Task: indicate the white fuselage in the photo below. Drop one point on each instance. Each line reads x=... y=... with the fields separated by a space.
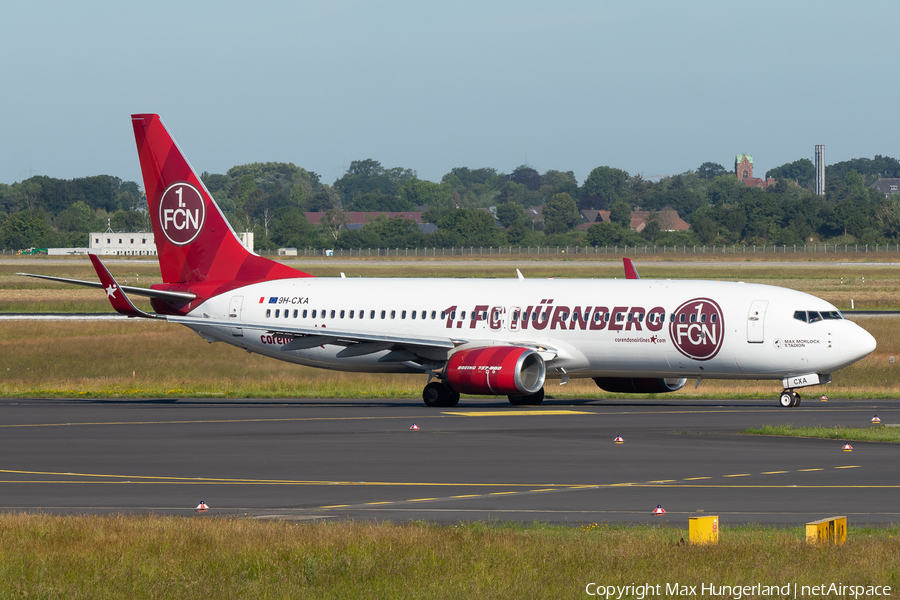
x=590 y=328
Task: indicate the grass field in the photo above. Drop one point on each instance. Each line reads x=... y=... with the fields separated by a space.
x=139 y=358
x=45 y=556
x=875 y=433
x=153 y=359
x=879 y=291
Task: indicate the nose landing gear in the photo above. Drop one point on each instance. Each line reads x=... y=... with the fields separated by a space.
x=789 y=398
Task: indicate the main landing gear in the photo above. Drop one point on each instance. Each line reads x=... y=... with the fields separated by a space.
x=437 y=394
x=789 y=398
x=527 y=400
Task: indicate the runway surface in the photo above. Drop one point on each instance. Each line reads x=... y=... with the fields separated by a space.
x=482 y=460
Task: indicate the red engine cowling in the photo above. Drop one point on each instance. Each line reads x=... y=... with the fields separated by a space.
x=496 y=370
x=639 y=385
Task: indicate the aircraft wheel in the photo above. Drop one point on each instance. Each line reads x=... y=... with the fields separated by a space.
x=435 y=394
x=527 y=400
x=452 y=398
x=516 y=400
x=535 y=398
x=786 y=399
x=796 y=399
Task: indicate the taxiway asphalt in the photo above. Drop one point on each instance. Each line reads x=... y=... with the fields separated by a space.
x=481 y=460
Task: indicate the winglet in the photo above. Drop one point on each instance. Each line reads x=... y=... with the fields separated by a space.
x=114 y=293
x=630 y=271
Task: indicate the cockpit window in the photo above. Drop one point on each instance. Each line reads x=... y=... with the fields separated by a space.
x=813 y=316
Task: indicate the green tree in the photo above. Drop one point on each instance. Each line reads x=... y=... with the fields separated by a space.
x=560 y=214
x=710 y=170
x=510 y=213
x=605 y=186
x=620 y=214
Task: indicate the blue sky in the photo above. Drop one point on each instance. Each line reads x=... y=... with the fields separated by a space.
x=649 y=87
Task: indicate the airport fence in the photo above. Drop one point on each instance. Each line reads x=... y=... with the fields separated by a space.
x=593 y=250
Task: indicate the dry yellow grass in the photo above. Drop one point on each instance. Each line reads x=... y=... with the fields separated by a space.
x=164 y=557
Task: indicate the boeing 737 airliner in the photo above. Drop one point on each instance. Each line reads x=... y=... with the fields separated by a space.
x=484 y=337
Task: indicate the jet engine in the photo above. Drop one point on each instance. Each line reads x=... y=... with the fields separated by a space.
x=496 y=370
x=639 y=385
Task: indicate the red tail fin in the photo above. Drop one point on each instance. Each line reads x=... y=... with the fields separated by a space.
x=195 y=243
x=630 y=271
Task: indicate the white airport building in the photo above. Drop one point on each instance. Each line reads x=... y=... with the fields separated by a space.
x=140 y=243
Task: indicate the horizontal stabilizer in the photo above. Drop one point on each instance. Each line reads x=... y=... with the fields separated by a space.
x=136 y=291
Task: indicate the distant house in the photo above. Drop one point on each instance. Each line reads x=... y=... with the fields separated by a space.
x=669 y=220
x=887 y=186
x=355 y=220
x=743 y=168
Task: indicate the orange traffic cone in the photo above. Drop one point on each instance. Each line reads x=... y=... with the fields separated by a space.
x=659 y=510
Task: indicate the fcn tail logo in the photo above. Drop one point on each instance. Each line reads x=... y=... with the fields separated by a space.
x=697 y=328
x=181 y=213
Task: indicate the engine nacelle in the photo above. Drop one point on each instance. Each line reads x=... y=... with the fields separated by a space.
x=500 y=370
x=639 y=385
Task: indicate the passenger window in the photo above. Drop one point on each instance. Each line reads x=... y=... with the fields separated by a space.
x=453 y=315
x=287 y=313
x=681 y=318
x=393 y=314
x=296 y=312
x=462 y=316
x=713 y=318
x=314 y=314
x=383 y=313
x=703 y=318
x=277 y=312
x=332 y=314
x=342 y=314
x=372 y=315
x=413 y=315
x=434 y=312
x=351 y=314
x=403 y=314
x=268 y=312
x=693 y=318
x=443 y=315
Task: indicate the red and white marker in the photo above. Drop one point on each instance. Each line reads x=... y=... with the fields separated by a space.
x=619 y=439
x=875 y=419
x=202 y=507
x=414 y=427
x=847 y=447
x=659 y=510
x=824 y=398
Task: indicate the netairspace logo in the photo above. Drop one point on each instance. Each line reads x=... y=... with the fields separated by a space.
x=758 y=590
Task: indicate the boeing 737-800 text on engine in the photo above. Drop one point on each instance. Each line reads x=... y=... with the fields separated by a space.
x=495 y=337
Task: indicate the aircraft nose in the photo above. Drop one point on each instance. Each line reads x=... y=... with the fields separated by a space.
x=858 y=345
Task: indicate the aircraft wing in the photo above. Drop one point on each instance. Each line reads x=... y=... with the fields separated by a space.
x=308 y=337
